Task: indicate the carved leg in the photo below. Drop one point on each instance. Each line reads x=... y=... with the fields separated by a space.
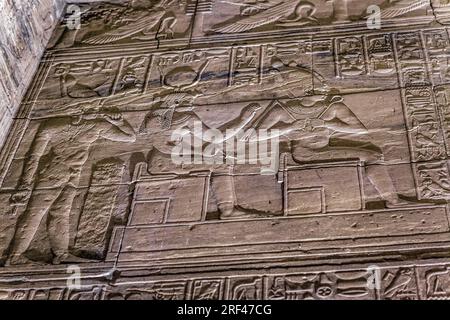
x=376 y=172
x=223 y=190
x=28 y=224
x=379 y=176
x=58 y=224
x=226 y=199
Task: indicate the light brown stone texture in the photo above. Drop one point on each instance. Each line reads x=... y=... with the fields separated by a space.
x=356 y=207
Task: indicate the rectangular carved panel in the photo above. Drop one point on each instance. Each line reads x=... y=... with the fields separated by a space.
x=214 y=149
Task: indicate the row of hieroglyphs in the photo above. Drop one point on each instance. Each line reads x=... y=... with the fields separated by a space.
x=342 y=61
x=388 y=283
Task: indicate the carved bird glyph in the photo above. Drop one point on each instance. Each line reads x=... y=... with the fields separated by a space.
x=271 y=12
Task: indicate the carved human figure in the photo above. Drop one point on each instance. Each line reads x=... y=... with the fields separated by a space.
x=174 y=111
x=160 y=123
x=51 y=174
x=324 y=128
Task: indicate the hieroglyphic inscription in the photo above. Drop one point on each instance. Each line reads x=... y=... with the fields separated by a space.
x=360 y=169
x=422 y=119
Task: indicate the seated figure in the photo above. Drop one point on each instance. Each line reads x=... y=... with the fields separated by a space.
x=324 y=128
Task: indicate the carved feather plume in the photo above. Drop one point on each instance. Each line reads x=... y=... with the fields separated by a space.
x=403 y=7
x=270 y=15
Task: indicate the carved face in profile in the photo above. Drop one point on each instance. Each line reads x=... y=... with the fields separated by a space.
x=177 y=100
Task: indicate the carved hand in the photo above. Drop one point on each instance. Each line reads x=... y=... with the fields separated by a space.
x=113 y=118
x=250 y=111
x=20 y=196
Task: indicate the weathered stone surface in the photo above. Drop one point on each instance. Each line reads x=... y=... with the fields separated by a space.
x=26 y=29
x=193 y=149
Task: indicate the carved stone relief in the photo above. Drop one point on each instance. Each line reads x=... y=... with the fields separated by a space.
x=133 y=21
x=139 y=159
x=26 y=29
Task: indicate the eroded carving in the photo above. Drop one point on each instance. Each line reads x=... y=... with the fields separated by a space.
x=360 y=164
x=136 y=20
x=266 y=16
x=51 y=175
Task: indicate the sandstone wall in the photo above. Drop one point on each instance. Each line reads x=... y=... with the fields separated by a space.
x=354 y=204
x=26 y=29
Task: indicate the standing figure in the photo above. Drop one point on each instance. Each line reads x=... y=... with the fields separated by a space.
x=51 y=174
